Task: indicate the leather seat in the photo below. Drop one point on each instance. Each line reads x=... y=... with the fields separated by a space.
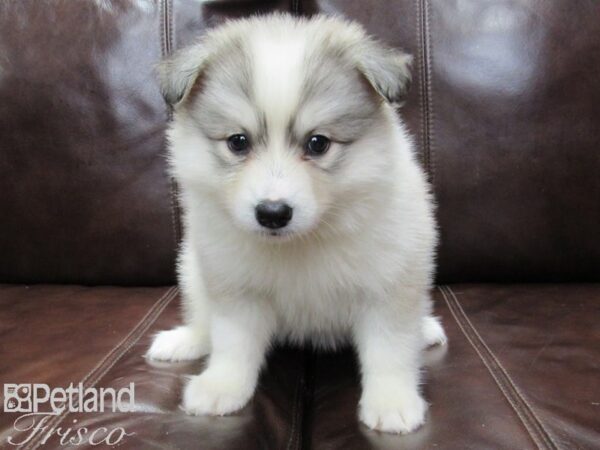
x=504 y=107
x=520 y=371
x=97 y=336
x=514 y=375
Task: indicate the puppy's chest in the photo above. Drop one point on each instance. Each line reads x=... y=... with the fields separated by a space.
x=312 y=308
x=319 y=274
x=314 y=288
x=319 y=293
x=316 y=295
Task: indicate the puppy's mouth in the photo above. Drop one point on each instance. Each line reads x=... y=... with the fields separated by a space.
x=277 y=235
x=281 y=235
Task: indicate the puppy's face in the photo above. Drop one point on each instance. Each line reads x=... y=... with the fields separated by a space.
x=282 y=120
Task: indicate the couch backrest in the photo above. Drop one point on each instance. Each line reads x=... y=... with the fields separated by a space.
x=505 y=108
x=84 y=196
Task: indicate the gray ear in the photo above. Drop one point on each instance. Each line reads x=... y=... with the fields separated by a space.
x=178 y=73
x=386 y=69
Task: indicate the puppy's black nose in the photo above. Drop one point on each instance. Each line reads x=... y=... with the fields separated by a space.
x=273 y=214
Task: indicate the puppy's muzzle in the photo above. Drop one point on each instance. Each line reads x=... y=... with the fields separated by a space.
x=273 y=214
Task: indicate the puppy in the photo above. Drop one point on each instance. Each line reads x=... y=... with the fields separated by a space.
x=306 y=215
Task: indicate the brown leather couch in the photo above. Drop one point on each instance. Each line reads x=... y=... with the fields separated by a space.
x=505 y=108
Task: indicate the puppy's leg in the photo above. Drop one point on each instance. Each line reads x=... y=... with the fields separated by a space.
x=241 y=332
x=182 y=343
x=189 y=341
x=389 y=343
x=433 y=332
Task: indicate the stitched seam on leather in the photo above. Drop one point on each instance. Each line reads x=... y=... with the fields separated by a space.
x=421 y=76
x=294 y=439
x=424 y=53
x=139 y=330
x=504 y=371
x=429 y=91
x=490 y=369
x=112 y=357
x=166 y=48
x=542 y=429
x=530 y=421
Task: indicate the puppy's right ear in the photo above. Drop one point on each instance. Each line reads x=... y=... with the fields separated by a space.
x=387 y=69
x=178 y=73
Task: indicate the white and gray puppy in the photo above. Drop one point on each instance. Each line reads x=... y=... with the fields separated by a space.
x=306 y=215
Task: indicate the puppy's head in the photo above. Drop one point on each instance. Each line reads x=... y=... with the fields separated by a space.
x=284 y=121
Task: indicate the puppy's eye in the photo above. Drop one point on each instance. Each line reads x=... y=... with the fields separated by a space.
x=317 y=145
x=238 y=143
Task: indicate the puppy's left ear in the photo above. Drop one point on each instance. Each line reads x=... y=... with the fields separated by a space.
x=178 y=73
x=386 y=69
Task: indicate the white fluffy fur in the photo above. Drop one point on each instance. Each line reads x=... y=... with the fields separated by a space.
x=355 y=264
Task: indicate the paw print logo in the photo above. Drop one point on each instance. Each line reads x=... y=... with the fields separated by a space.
x=17 y=398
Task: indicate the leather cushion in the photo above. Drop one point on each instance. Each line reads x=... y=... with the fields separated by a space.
x=69 y=334
x=520 y=371
x=546 y=338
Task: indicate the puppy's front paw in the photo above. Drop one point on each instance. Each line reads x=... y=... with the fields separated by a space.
x=433 y=331
x=392 y=409
x=178 y=344
x=216 y=393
